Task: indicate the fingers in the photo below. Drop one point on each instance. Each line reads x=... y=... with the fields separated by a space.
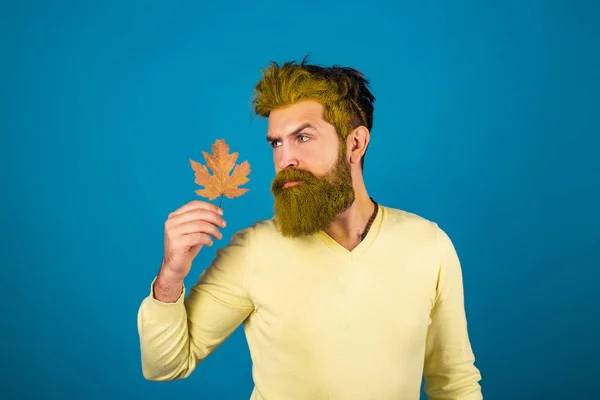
x=194 y=239
x=195 y=214
x=195 y=205
x=196 y=219
x=197 y=226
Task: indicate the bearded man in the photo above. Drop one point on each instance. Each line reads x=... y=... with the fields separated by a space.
x=340 y=297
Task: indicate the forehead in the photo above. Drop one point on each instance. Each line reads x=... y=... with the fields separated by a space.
x=302 y=111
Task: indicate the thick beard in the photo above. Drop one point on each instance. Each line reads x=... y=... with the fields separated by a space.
x=311 y=206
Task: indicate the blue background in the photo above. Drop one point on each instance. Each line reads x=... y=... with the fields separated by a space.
x=486 y=121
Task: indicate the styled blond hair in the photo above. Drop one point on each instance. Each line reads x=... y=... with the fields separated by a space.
x=343 y=91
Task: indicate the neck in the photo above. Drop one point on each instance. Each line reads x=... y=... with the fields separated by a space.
x=350 y=224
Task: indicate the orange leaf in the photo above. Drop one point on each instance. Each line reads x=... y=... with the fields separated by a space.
x=221 y=182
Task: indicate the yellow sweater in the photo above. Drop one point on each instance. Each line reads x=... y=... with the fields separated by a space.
x=323 y=322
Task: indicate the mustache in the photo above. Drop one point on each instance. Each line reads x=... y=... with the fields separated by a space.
x=291 y=175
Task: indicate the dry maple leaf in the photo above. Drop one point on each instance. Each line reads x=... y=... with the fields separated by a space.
x=221 y=183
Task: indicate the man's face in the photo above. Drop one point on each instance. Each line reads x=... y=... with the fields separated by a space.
x=313 y=183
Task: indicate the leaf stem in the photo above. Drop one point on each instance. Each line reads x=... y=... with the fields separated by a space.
x=221 y=200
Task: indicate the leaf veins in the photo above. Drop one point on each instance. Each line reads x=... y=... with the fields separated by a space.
x=221 y=182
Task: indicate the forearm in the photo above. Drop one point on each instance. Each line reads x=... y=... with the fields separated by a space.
x=452 y=378
x=175 y=337
x=164 y=337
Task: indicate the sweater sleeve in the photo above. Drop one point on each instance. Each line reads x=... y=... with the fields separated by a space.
x=449 y=371
x=176 y=337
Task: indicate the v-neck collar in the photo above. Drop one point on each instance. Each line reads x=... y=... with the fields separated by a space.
x=363 y=246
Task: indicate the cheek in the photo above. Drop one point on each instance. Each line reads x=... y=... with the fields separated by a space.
x=320 y=161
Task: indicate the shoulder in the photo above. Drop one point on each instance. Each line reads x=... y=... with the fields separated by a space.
x=398 y=219
x=402 y=223
x=257 y=232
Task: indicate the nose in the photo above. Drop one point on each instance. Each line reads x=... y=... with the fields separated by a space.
x=285 y=158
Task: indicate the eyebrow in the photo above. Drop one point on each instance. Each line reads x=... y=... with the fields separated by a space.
x=296 y=131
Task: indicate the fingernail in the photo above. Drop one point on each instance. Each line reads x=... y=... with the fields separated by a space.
x=224 y=223
x=221 y=211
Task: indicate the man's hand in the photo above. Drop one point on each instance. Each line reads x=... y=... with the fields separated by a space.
x=187 y=229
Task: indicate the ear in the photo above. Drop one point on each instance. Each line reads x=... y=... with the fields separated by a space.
x=358 y=140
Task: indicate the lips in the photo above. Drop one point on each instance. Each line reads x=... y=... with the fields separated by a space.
x=291 y=183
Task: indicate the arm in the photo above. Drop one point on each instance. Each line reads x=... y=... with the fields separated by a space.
x=450 y=373
x=176 y=336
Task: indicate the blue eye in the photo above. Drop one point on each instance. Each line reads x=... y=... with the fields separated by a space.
x=273 y=143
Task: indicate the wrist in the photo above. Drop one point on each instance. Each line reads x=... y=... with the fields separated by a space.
x=167 y=277
x=167 y=287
